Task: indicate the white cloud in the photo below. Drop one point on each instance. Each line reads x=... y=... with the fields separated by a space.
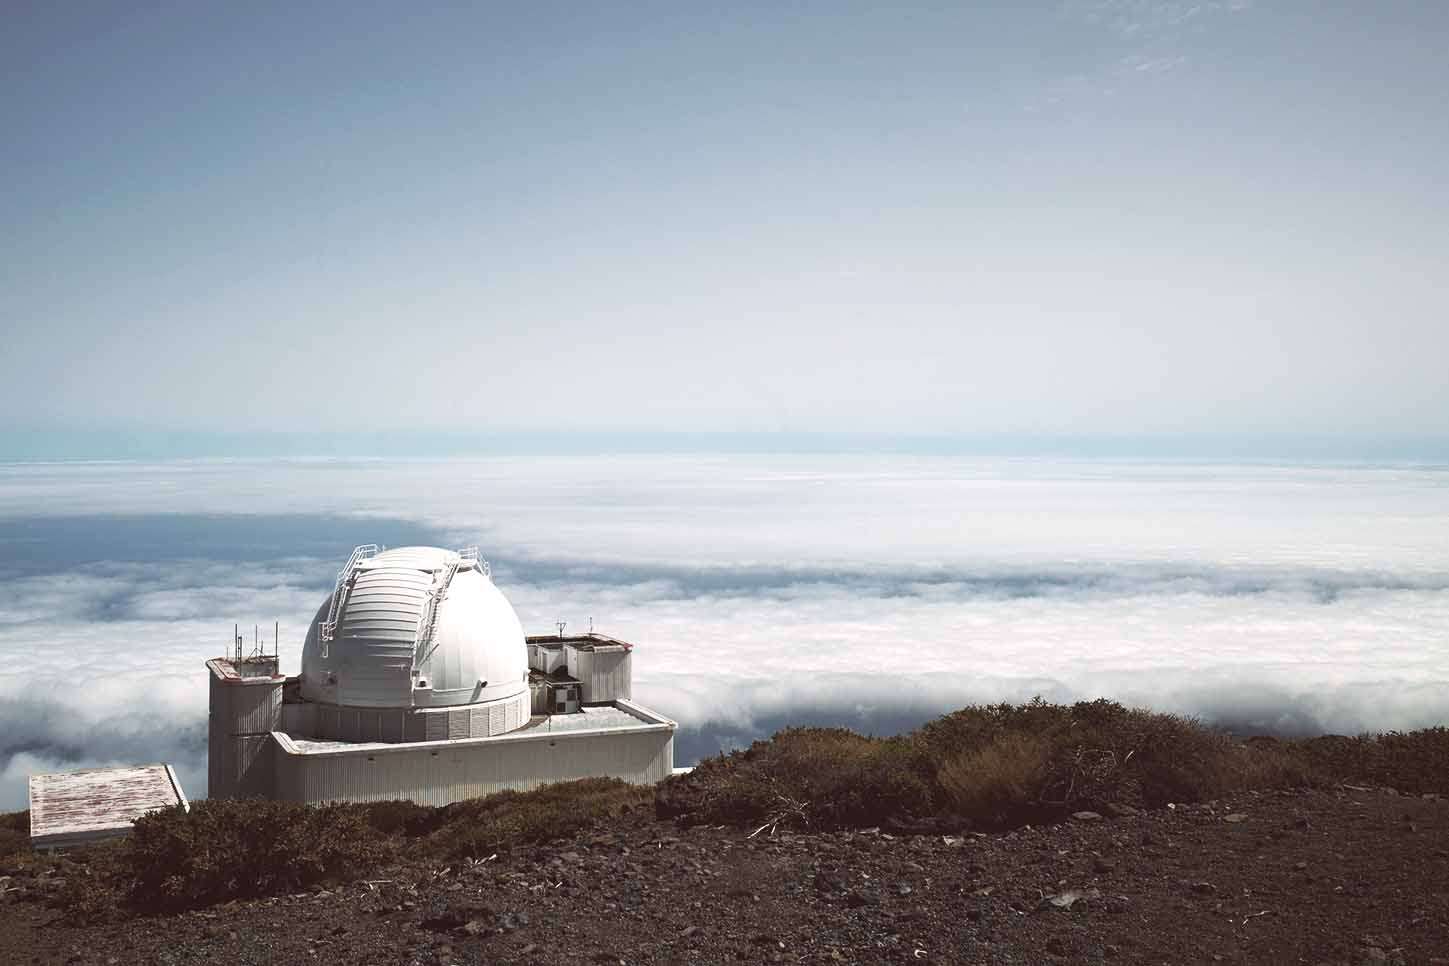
x=862 y=591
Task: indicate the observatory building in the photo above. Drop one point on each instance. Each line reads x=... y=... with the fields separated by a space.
x=417 y=682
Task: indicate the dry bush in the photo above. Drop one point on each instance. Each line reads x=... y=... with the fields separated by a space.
x=1413 y=762
x=820 y=777
x=1097 y=752
x=225 y=849
x=402 y=817
x=1261 y=764
x=996 y=784
x=14 y=833
x=479 y=827
x=997 y=765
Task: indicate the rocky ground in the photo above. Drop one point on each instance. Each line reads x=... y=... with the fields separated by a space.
x=1347 y=875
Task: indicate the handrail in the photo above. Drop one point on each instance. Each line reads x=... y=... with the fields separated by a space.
x=344 y=582
x=427 y=641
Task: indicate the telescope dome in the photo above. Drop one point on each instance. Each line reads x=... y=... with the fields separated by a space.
x=414 y=627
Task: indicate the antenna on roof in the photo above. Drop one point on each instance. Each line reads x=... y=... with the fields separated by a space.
x=591 y=625
x=560 y=625
x=236 y=641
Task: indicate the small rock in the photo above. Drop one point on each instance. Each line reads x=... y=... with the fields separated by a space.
x=1064 y=900
x=1086 y=816
x=1300 y=866
x=1204 y=888
x=688 y=931
x=1235 y=818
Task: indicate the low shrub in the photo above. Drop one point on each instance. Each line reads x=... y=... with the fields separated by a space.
x=1413 y=762
x=401 y=817
x=995 y=765
x=479 y=827
x=821 y=777
x=996 y=783
x=225 y=849
x=14 y=833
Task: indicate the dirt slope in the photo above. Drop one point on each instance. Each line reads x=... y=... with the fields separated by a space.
x=1342 y=876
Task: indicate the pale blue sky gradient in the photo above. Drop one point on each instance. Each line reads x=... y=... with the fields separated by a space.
x=1098 y=219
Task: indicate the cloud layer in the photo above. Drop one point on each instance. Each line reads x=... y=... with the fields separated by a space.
x=760 y=592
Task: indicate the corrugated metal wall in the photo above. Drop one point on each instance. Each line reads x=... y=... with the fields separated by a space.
x=610 y=676
x=449 y=773
x=605 y=672
x=242 y=715
x=331 y=723
x=252 y=766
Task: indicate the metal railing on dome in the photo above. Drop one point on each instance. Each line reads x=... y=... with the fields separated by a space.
x=344 y=583
x=428 y=626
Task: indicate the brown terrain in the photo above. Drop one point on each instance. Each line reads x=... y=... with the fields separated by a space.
x=1338 y=874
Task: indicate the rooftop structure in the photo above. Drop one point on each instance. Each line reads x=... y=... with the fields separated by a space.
x=70 y=807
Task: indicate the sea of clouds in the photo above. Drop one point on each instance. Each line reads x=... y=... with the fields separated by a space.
x=873 y=592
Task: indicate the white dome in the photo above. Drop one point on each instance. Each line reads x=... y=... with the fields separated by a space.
x=376 y=658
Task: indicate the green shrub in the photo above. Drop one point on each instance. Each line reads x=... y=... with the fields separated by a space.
x=225 y=849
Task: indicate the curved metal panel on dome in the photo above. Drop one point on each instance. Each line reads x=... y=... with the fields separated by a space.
x=376 y=634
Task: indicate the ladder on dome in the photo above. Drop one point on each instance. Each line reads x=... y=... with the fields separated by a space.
x=427 y=641
x=345 y=576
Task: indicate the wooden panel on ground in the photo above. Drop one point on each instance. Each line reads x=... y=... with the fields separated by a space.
x=69 y=807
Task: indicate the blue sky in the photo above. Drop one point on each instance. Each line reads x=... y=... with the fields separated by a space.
x=1097 y=219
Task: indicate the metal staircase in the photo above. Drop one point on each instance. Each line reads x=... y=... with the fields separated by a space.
x=345 y=577
x=427 y=641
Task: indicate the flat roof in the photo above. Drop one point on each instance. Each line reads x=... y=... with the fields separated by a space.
x=604 y=717
x=68 y=807
x=596 y=716
x=583 y=642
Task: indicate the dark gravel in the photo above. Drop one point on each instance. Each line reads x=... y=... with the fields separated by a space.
x=1334 y=877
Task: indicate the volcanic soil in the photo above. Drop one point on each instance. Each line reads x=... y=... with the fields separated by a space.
x=1347 y=875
